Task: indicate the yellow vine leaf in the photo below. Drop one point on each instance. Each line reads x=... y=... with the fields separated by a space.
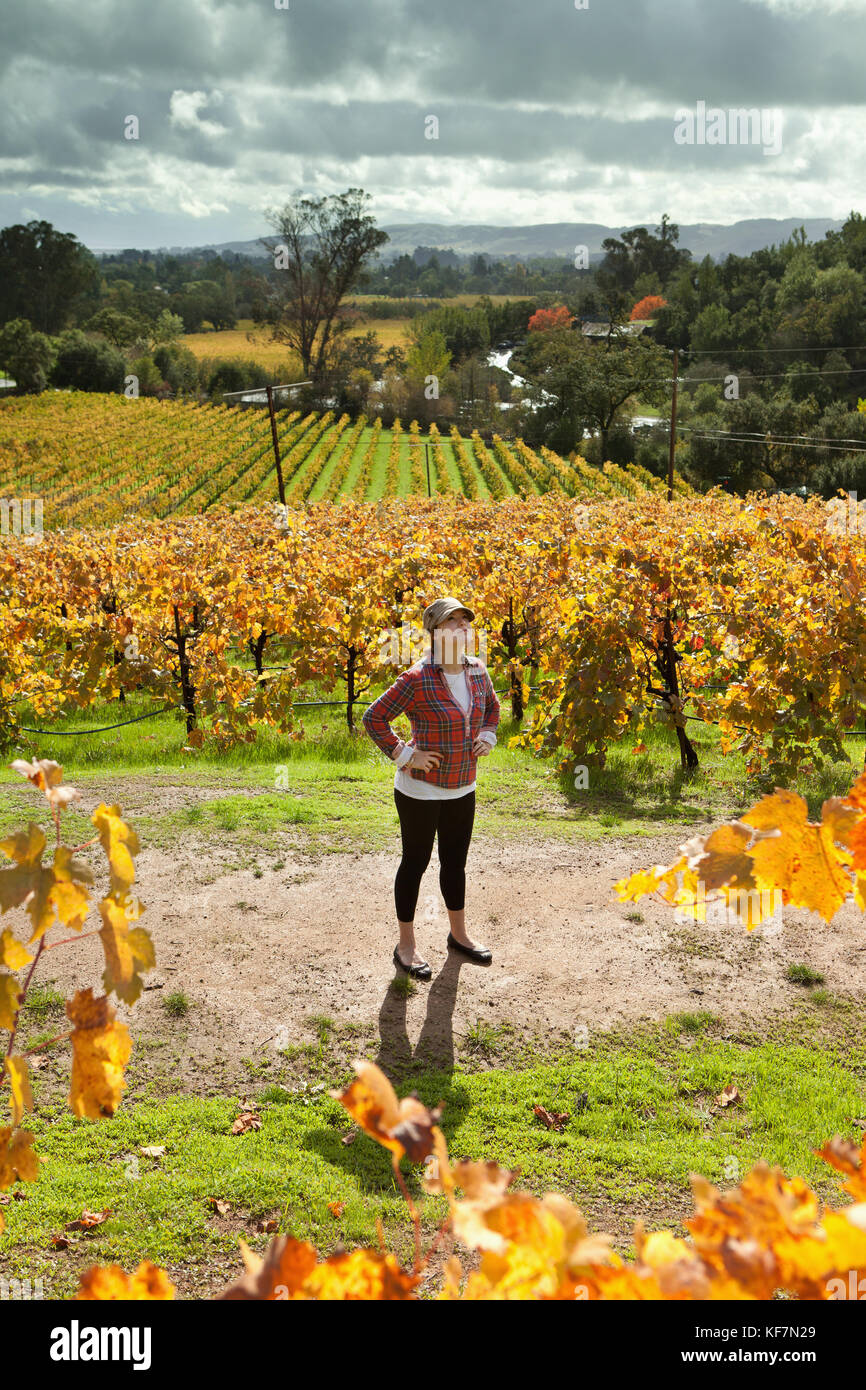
x=28 y=882
x=17 y=1159
x=803 y=860
x=773 y=851
x=660 y=879
x=120 y=843
x=21 y=1098
x=100 y=1051
x=45 y=891
x=127 y=951
x=105 y=1282
x=12 y=954
x=9 y=995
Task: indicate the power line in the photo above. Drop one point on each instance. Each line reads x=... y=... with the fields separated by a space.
x=764 y=376
x=731 y=347
x=758 y=434
x=718 y=436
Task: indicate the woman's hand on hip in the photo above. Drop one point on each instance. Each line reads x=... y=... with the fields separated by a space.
x=424 y=759
x=481 y=747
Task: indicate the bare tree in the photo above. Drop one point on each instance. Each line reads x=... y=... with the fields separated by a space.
x=319 y=256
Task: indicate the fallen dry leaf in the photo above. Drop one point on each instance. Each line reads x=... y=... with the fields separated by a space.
x=552 y=1118
x=269 y=1225
x=219 y=1204
x=60 y=1242
x=88 y=1219
x=349 y=1138
x=729 y=1096
x=336 y=1208
x=153 y=1150
x=248 y=1120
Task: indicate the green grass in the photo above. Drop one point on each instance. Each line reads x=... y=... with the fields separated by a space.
x=332 y=787
x=648 y=1121
x=804 y=975
x=176 y=1004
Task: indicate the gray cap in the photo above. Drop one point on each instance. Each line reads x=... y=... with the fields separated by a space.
x=443 y=608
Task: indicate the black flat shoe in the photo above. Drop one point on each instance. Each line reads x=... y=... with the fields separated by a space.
x=483 y=957
x=419 y=972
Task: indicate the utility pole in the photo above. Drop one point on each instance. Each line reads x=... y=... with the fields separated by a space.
x=673 y=428
x=280 y=485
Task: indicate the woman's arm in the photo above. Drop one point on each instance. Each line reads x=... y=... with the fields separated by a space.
x=491 y=710
x=377 y=716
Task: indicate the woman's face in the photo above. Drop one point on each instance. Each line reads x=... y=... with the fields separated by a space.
x=453 y=634
x=458 y=622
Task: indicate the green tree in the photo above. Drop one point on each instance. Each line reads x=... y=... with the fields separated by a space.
x=88 y=364
x=168 y=327
x=42 y=274
x=466 y=331
x=428 y=357
x=320 y=255
x=120 y=329
x=587 y=384
x=27 y=356
x=639 y=253
x=178 y=366
x=148 y=374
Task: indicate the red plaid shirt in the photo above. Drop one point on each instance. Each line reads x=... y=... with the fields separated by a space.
x=439 y=725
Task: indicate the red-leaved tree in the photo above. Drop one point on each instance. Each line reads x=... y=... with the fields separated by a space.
x=646 y=307
x=543 y=319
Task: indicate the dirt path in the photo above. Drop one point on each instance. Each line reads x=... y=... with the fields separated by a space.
x=258 y=955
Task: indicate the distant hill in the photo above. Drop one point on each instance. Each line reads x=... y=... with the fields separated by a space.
x=714 y=239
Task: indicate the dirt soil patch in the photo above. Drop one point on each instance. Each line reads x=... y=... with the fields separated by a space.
x=258 y=950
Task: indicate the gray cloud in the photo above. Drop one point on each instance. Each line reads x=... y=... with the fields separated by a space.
x=546 y=113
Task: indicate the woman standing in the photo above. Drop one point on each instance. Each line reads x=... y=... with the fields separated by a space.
x=452 y=707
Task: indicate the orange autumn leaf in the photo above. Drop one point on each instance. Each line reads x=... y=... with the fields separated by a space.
x=87 y=1219
x=100 y=1051
x=802 y=860
x=336 y=1208
x=147 y=1283
x=291 y=1270
x=404 y=1126
x=846 y=1158
x=552 y=1119
x=772 y=854
x=246 y=1121
x=47 y=776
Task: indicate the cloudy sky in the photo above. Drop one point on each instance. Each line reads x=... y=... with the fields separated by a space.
x=546 y=112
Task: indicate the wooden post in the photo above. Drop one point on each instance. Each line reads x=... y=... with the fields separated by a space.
x=673 y=428
x=277 y=459
x=427 y=456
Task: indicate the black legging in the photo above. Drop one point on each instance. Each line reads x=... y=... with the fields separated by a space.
x=419 y=823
